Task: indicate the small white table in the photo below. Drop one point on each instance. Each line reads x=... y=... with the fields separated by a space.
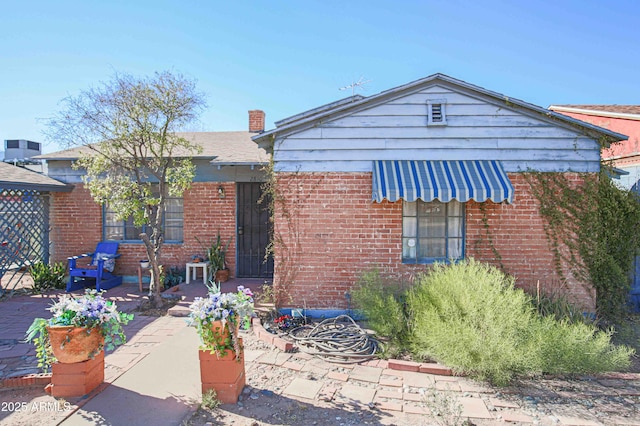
x=193 y=266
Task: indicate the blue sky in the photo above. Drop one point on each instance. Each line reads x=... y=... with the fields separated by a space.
x=287 y=57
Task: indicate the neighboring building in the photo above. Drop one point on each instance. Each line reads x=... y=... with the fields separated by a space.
x=623 y=119
x=20 y=152
x=624 y=155
x=428 y=171
x=24 y=220
x=223 y=197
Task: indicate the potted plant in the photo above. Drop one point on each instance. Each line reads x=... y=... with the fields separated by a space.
x=79 y=328
x=216 y=255
x=218 y=318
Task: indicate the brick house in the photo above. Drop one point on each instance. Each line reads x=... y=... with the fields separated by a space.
x=223 y=197
x=428 y=171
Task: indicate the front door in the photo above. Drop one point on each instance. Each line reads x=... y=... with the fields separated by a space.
x=253 y=232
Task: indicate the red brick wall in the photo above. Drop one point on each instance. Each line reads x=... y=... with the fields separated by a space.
x=330 y=231
x=76 y=226
x=517 y=233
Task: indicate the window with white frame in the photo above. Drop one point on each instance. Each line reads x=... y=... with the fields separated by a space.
x=436 y=112
x=432 y=231
x=125 y=230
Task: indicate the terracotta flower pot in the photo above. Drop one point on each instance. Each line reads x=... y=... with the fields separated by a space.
x=225 y=375
x=75 y=344
x=222 y=337
x=222 y=275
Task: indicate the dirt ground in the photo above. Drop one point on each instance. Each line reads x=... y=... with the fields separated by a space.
x=608 y=400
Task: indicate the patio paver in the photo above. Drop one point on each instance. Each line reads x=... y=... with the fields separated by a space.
x=356 y=394
x=303 y=388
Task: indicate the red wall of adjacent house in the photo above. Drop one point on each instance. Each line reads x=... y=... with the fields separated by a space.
x=328 y=231
x=76 y=227
x=626 y=152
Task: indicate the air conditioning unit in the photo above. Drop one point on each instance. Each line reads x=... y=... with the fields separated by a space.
x=19 y=150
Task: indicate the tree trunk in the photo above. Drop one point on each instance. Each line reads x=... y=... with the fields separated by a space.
x=155 y=286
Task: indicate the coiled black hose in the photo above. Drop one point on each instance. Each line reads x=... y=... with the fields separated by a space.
x=337 y=339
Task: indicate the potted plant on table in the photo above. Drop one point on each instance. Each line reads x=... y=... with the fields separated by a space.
x=79 y=328
x=216 y=254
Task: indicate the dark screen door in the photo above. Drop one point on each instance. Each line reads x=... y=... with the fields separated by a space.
x=253 y=232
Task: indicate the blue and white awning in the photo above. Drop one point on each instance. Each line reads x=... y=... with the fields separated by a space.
x=477 y=180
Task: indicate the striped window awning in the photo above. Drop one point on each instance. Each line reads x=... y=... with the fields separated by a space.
x=477 y=180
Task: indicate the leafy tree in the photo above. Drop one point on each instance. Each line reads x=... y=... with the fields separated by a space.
x=126 y=129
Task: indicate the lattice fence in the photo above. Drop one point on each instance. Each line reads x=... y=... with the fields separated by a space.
x=24 y=235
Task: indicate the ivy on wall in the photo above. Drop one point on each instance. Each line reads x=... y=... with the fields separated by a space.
x=288 y=195
x=593 y=227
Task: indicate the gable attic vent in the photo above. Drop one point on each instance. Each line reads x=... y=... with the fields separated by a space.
x=436 y=112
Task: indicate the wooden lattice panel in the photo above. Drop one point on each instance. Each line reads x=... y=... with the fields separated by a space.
x=23 y=234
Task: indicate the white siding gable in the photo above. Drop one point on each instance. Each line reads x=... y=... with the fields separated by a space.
x=475 y=127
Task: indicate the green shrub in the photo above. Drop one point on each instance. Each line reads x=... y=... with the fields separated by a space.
x=559 y=307
x=577 y=348
x=45 y=277
x=382 y=303
x=470 y=317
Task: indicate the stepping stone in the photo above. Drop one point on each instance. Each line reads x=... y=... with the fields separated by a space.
x=303 y=388
x=577 y=421
x=474 y=408
x=252 y=355
x=356 y=394
x=179 y=310
x=510 y=417
x=365 y=374
x=417 y=380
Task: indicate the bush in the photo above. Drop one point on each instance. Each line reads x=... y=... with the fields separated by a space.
x=173 y=277
x=560 y=308
x=45 y=277
x=382 y=303
x=577 y=348
x=470 y=317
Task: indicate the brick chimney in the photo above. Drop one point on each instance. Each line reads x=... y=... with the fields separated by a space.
x=256 y=121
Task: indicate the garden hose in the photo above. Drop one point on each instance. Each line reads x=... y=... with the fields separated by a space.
x=337 y=339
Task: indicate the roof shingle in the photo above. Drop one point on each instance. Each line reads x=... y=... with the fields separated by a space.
x=220 y=147
x=620 y=109
x=20 y=178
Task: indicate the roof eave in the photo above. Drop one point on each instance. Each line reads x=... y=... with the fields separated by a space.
x=238 y=163
x=398 y=91
x=37 y=187
x=610 y=114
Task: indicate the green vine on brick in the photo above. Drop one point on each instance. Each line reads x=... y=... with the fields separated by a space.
x=593 y=230
x=487 y=230
x=286 y=202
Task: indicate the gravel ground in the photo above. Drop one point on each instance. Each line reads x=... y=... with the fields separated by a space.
x=607 y=400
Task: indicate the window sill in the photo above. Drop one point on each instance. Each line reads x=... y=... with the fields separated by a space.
x=429 y=261
x=140 y=242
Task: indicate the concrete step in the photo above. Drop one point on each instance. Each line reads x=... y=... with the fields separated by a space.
x=179 y=310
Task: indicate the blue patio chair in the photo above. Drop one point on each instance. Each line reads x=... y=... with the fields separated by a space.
x=100 y=269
